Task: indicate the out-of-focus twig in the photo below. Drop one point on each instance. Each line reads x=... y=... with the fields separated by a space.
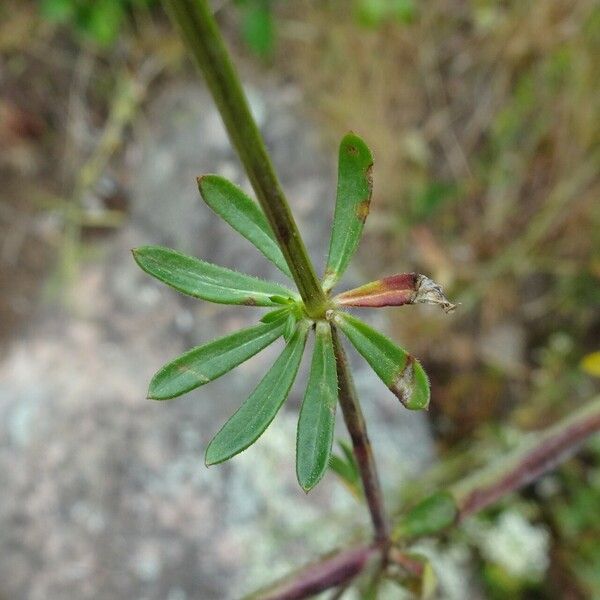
x=332 y=570
x=539 y=452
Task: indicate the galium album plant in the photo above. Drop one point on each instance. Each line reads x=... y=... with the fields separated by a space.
x=311 y=306
x=288 y=316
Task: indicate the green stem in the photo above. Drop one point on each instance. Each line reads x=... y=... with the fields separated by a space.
x=201 y=34
x=357 y=428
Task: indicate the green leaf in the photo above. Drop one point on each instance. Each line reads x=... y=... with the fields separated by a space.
x=290 y=327
x=104 y=19
x=257 y=412
x=258 y=28
x=347 y=469
x=205 y=363
x=273 y=315
x=434 y=513
x=399 y=370
x=57 y=10
x=351 y=206
x=317 y=415
x=282 y=300
x=343 y=470
x=244 y=215
x=349 y=454
x=200 y=279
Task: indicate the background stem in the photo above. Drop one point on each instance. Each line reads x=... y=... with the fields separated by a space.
x=538 y=453
x=201 y=33
x=357 y=428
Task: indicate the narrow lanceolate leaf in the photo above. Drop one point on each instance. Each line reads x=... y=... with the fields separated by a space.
x=274 y=315
x=257 y=412
x=396 y=290
x=317 y=415
x=290 y=327
x=400 y=371
x=351 y=206
x=201 y=279
x=205 y=363
x=244 y=215
x=347 y=470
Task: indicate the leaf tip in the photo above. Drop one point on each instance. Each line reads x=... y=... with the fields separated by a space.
x=411 y=385
x=429 y=292
x=210 y=460
x=202 y=180
x=309 y=483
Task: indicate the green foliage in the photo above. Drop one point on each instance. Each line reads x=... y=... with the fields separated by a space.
x=374 y=13
x=287 y=318
x=200 y=279
x=317 y=415
x=574 y=516
x=258 y=26
x=244 y=215
x=205 y=363
x=257 y=412
x=346 y=468
x=401 y=372
x=96 y=20
x=352 y=204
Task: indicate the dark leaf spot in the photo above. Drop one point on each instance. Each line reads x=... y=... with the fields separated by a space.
x=362 y=210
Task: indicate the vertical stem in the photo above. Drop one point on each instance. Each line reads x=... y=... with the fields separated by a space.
x=201 y=33
x=357 y=428
x=203 y=38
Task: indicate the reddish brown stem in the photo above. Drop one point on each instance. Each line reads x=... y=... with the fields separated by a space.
x=539 y=453
x=357 y=428
x=325 y=574
x=407 y=562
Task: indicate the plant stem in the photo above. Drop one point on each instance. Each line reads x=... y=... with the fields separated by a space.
x=540 y=452
x=203 y=38
x=357 y=428
x=201 y=33
x=328 y=572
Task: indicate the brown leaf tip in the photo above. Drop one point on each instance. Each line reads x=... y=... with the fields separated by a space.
x=369 y=176
x=362 y=210
x=402 y=385
x=429 y=292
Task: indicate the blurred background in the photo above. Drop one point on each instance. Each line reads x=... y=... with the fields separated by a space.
x=484 y=119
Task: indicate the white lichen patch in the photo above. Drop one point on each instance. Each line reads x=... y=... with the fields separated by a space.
x=513 y=543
